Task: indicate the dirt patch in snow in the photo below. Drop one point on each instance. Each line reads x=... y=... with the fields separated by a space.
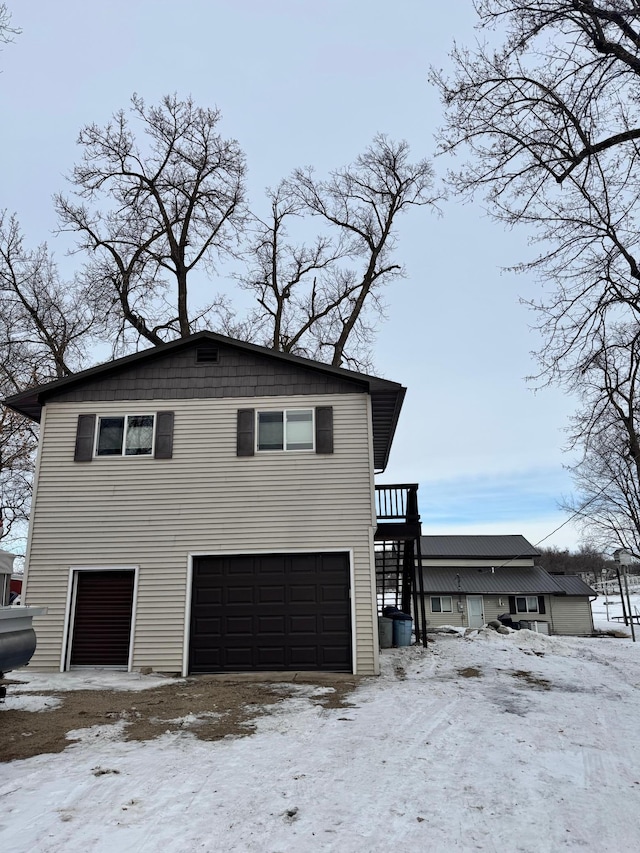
x=209 y=708
x=470 y=672
x=531 y=679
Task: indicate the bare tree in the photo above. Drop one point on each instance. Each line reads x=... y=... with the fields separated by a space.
x=151 y=209
x=289 y=281
x=360 y=204
x=7 y=32
x=607 y=432
x=586 y=561
x=46 y=327
x=551 y=119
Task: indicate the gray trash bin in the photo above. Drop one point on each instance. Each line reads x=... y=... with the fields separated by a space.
x=385 y=632
x=402 y=625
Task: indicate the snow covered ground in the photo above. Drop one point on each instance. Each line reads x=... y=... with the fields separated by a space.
x=521 y=742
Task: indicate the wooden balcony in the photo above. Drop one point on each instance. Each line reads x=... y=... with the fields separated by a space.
x=397 y=513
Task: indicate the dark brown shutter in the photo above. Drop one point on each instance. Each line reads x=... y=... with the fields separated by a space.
x=245 y=434
x=541 y=604
x=324 y=429
x=84 y=438
x=512 y=604
x=164 y=435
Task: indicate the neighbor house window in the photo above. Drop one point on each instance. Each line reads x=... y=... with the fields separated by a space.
x=290 y=429
x=129 y=435
x=526 y=604
x=441 y=604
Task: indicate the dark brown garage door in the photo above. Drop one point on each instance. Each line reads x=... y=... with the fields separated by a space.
x=102 y=619
x=271 y=612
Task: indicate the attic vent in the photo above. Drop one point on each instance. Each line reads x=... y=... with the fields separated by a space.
x=207 y=355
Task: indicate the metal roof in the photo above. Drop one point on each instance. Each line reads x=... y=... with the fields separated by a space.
x=527 y=580
x=386 y=396
x=477 y=547
x=573 y=585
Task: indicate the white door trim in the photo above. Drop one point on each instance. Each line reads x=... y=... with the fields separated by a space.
x=476 y=598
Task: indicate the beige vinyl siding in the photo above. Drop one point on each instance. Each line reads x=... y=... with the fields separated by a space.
x=572 y=615
x=492 y=609
x=460 y=619
x=153 y=513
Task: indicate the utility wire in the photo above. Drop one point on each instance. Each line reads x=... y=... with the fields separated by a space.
x=578 y=512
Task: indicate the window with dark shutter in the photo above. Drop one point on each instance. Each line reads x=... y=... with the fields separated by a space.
x=324 y=429
x=85 y=433
x=164 y=435
x=512 y=604
x=245 y=432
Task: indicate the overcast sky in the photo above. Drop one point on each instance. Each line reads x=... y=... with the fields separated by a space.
x=302 y=83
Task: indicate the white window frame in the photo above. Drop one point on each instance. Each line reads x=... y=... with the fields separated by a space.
x=527 y=599
x=442 y=598
x=123 y=454
x=285 y=413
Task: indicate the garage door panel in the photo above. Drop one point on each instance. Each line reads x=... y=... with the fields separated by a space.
x=272 y=594
x=271 y=602
x=239 y=626
x=271 y=658
x=334 y=624
x=304 y=657
x=304 y=624
x=102 y=618
x=240 y=595
x=303 y=594
x=271 y=625
x=210 y=596
x=239 y=657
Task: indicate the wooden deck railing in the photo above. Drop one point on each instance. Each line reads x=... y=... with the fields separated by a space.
x=397 y=503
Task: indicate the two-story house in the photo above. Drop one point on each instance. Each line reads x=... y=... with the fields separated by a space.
x=208 y=505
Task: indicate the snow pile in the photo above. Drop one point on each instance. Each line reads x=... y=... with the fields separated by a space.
x=487 y=742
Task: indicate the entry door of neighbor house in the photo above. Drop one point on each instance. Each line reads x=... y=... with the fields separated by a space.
x=102 y=608
x=475 y=611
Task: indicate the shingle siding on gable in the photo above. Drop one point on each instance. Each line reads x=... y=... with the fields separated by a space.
x=237 y=374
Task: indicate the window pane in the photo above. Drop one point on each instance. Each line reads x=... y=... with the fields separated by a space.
x=532 y=603
x=270 y=431
x=110 y=432
x=435 y=605
x=521 y=605
x=139 y=435
x=300 y=430
x=446 y=604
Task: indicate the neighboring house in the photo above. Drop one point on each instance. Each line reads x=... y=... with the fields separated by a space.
x=208 y=505
x=471 y=580
x=6 y=582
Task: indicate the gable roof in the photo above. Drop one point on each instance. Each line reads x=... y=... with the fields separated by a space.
x=477 y=547
x=527 y=580
x=386 y=396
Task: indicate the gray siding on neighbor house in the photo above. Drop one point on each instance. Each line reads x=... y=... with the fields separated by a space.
x=178 y=376
x=152 y=513
x=493 y=605
x=566 y=615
